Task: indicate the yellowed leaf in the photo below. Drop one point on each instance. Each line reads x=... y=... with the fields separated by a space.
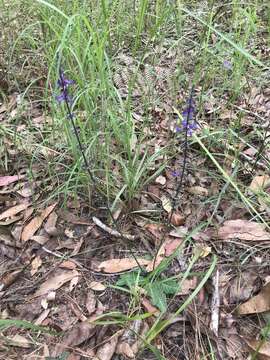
x=198 y=190
x=118 y=265
x=256 y=304
x=259 y=183
x=166 y=204
x=30 y=229
x=13 y=211
x=55 y=282
x=243 y=230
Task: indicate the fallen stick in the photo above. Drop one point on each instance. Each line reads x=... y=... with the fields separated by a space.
x=111 y=231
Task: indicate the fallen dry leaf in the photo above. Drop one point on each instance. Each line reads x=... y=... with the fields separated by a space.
x=161 y=180
x=149 y=307
x=77 y=335
x=166 y=203
x=187 y=286
x=243 y=230
x=171 y=245
x=106 y=351
x=97 y=286
x=9 y=278
x=35 y=265
x=256 y=304
x=118 y=265
x=50 y=225
x=6 y=180
x=198 y=190
x=90 y=302
x=13 y=211
x=259 y=183
x=19 y=341
x=177 y=219
x=68 y=264
x=261 y=348
x=55 y=282
x=30 y=229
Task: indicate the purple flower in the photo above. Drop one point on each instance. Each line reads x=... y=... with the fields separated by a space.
x=227 y=64
x=188 y=124
x=63 y=83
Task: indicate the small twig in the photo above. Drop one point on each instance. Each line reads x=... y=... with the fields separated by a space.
x=111 y=231
x=215 y=304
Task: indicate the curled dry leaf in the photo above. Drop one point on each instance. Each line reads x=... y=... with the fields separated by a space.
x=256 y=304
x=55 y=282
x=9 y=278
x=261 y=348
x=243 y=230
x=118 y=265
x=259 y=183
x=13 y=211
x=30 y=229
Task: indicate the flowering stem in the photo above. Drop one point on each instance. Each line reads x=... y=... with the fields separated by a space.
x=180 y=184
x=65 y=98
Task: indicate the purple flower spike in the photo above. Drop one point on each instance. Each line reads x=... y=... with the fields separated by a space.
x=63 y=84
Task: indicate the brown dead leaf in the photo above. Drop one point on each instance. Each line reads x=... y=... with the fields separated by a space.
x=19 y=341
x=187 y=286
x=35 y=264
x=13 y=211
x=256 y=304
x=68 y=264
x=6 y=180
x=198 y=190
x=77 y=335
x=149 y=307
x=259 y=183
x=171 y=245
x=243 y=230
x=261 y=348
x=9 y=278
x=97 y=286
x=30 y=229
x=50 y=225
x=106 y=351
x=118 y=265
x=55 y=282
x=90 y=302
x=177 y=219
